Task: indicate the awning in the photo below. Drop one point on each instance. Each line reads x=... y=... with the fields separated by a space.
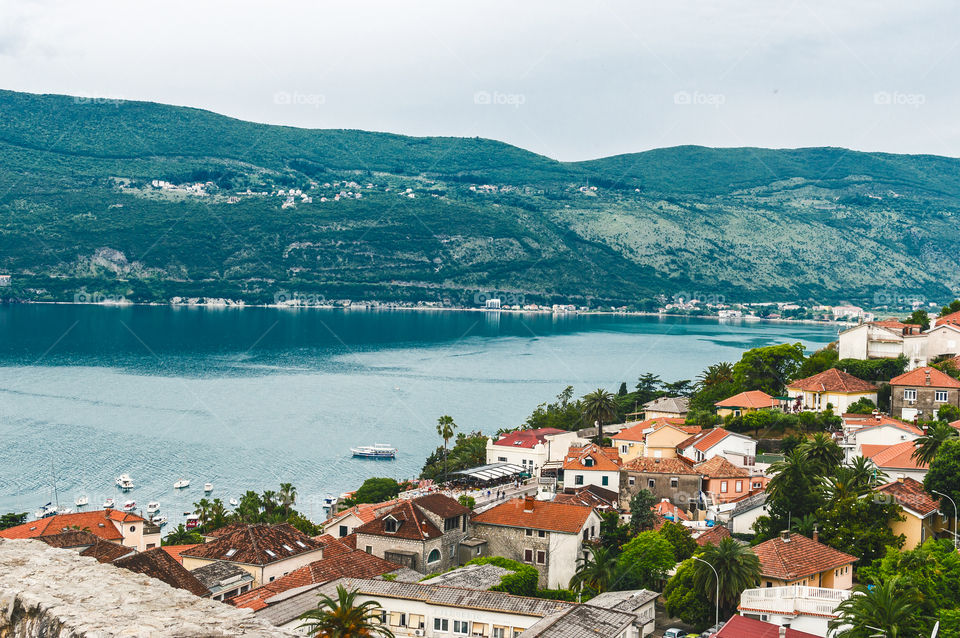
x=492 y=471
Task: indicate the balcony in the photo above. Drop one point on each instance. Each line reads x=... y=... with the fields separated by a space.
x=793 y=600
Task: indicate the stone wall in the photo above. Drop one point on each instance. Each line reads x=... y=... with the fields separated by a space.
x=56 y=593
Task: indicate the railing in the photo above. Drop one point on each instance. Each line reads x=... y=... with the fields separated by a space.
x=794 y=599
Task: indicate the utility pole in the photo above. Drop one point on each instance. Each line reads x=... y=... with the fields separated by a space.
x=954 y=516
x=716 y=620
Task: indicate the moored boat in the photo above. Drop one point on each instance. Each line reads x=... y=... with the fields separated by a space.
x=108 y=504
x=208 y=487
x=192 y=521
x=234 y=502
x=82 y=500
x=129 y=506
x=124 y=482
x=160 y=520
x=153 y=507
x=182 y=483
x=375 y=451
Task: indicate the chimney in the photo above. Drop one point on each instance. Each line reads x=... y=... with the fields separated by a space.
x=528 y=504
x=900 y=478
x=926 y=377
x=785 y=536
x=782 y=632
x=816 y=534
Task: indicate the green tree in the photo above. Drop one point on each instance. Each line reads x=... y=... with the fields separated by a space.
x=182 y=536
x=716 y=374
x=599 y=406
x=862 y=405
x=948 y=413
x=648 y=387
x=930 y=443
x=642 y=516
x=622 y=392
x=521 y=581
x=768 y=368
x=738 y=568
x=343 y=617
x=919 y=318
x=12 y=519
x=613 y=534
x=679 y=537
x=445 y=428
x=202 y=510
x=375 y=490
x=597 y=571
x=860 y=526
x=949 y=309
x=644 y=561
x=288 y=496
x=469 y=450
x=820 y=361
x=944 y=473
x=804 y=526
x=249 y=508
x=876 y=609
x=823 y=453
x=467 y=501
x=793 y=492
x=684 y=600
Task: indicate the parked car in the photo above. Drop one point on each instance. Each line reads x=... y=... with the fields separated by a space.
x=675 y=633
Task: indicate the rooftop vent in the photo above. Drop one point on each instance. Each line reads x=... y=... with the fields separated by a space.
x=270 y=554
x=785 y=536
x=230 y=552
x=288 y=548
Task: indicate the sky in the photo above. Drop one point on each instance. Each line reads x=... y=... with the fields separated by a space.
x=571 y=80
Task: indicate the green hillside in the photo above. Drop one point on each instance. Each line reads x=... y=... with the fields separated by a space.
x=444 y=218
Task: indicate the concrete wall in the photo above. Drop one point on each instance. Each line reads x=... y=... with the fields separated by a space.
x=56 y=593
x=380 y=545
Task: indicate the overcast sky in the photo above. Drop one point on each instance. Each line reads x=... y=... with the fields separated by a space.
x=569 y=80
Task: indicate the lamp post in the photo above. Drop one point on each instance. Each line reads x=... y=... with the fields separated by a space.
x=954 y=515
x=716 y=620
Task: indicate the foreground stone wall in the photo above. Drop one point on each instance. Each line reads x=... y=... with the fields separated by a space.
x=56 y=593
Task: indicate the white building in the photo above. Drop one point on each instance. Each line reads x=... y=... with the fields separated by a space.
x=591 y=465
x=808 y=609
x=834 y=388
x=891 y=338
x=739 y=449
x=530 y=449
x=874 y=430
x=746 y=512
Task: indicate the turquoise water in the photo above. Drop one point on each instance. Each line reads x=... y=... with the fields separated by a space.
x=249 y=398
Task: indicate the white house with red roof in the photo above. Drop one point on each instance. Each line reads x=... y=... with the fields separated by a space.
x=749 y=401
x=591 y=465
x=342 y=524
x=831 y=387
x=125 y=528
x=739 y=449
x=876 y=430
x=896 y=461
x=530 y=449
x=891 y=338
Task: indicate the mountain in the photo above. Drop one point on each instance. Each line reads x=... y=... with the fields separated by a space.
x=151 y=201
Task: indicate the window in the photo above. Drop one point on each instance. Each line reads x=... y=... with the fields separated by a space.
x=528 y=555
x=623 y=449
x=502 y=459
x=368 y=549
x=588 y=462
x=499 y=631
x=415 y=621
x=757 y=485
x=605 y=480
x=398 y=619
x=151 y=545
x=451 y=523
x=479 y=629
x=453 y=551
x=651 y=483
x=528 y=532
x=343 y=531
x=910 y=395
x=674 y=482
x=631 y=480
x=434 y=556
x=541 y=533
x=723 y=487
x=230 y=552
x=941 y=396
x=461 y=627
x=578 y=479
x=389 y=524
x=441 y=624
x=133 y=528
x=516 y=632
x=541 y=557
x=272 y=578
x=739 y=486
x=270 y=553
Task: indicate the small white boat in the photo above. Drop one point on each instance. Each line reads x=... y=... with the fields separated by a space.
x=129 y=506
x=153 y=507
x=124 y=482
x=82 y=501
x=375 y=451
x=46 y=510
x=208 y=487
x=159 y=521
x=182 y=483
x=234 y=502
x=192 y=521
x=108 y=504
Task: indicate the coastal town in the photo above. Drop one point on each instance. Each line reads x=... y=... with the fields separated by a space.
x=784 y=494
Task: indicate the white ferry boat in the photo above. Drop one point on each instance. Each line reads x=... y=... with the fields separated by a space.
x=375 y=451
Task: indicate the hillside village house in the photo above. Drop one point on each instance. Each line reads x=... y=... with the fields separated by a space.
x=750 y=401
x=921 y=392
x=921 y=512
x=737 y=448
x=591 y=465
x=746 y=512
x=343 y=523
x=724 y=482
x=666 y=408
x=266 y=552
x=793 y=559
x=423 y=534
x=631 y=441
x=124 y=528
x=661 y=439
x=530 y=449
x=874 y=429
x=674 y=479
x=892 y=338
x=547 y=535
x=832 y=387
x=896 y=460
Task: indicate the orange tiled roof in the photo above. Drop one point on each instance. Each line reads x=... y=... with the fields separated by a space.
x=754 y=399
x=719 y=467
x=666 y=508
x=412 y=524
x=918 y=377
x=894 y=457
x=526 y=438
x=528 y=512
x=605 y=459
x=713 y=536
x=870 y=420
x=256 y=545
x=638 y=432
x=89 y=544
x=910 y=494
x=743 y=627
x=952 y=319
x=708 y=438
x=832 y=380
x=97 y=521
x=174 y=550
x=366 y=512
x=798 y=557
x=651 y=465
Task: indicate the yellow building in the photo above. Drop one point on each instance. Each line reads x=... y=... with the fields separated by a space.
x=631 y=442
x=921 y=512
x=746 y=402
x=792 y=559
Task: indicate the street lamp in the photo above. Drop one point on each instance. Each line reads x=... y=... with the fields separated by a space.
x=954 y=515
x=716 y=620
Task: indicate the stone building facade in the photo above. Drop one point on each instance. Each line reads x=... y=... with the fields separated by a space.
x=673 y=479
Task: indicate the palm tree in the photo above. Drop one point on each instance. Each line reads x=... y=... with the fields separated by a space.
x=596 y=570
x=737 y=566
x=823 y=452
x=248 y=510
x=269 y=500
x=878 y=611
x=182 y=536
x=846 y=482
x=202 y=510
x=804 y=525
x=445 y=428
x=794 y=469
x=344 y=618
x=929 y=444
x=716 y=374
x=598 y=406
x=866 y=473
x=288 y=497
x=217 y=514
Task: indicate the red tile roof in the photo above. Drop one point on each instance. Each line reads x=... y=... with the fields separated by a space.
x=605 y=459
x=174 y=550
x=97 y=521
x=590 y=495
x=832 y=380
x=870 y=420
x=158 y=564
x=342 y=562
x=708 y=438
x=743 y=627
x=713 y=536
x=909 y=493
x=667 y=509
x=797 y=557
x=534 y=514
x=526 y=438
x=256 y=545
x=894 y=457
x=411 y=524
x=652 y=465
x=89 y=544
x=441 y=505
x=950 y=319
x=919 y=378
x=366 y=512
x=719 y=467
x=638 y=432
x=754 y=399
